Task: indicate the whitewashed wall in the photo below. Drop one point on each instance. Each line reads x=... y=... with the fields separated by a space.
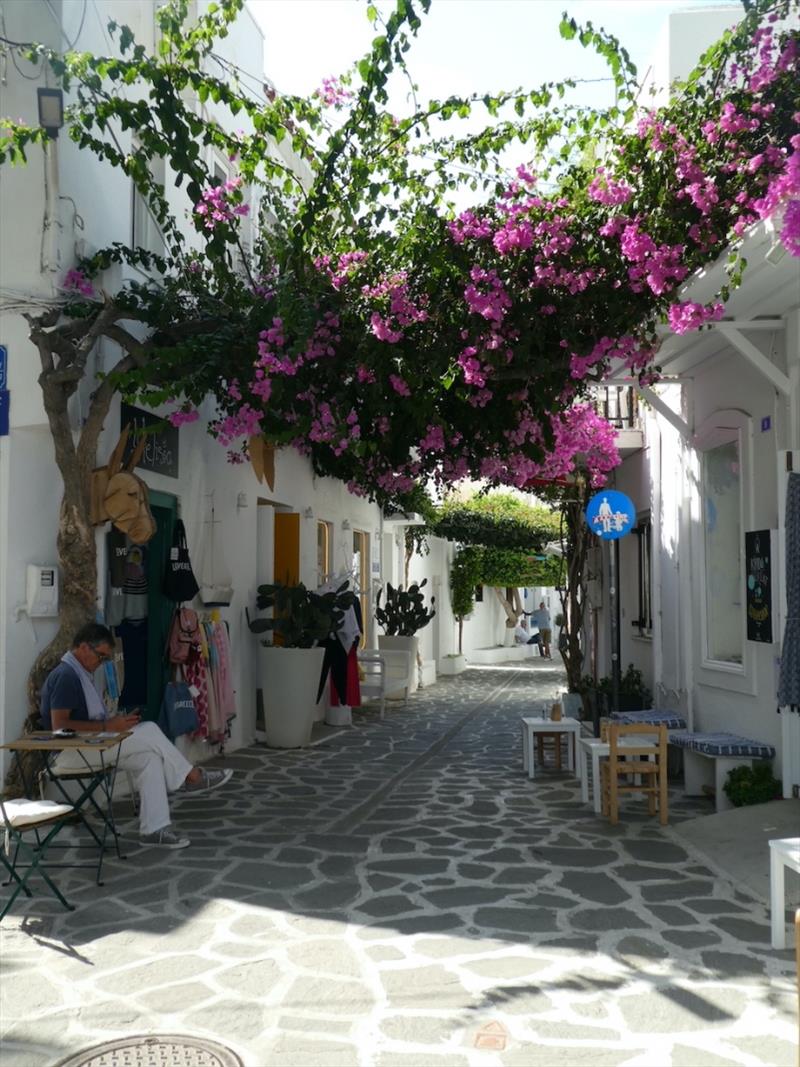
x=99 y=211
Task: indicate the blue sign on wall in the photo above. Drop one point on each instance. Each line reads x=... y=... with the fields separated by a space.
x=3 y=366
x=610 y=514
x=4 y=404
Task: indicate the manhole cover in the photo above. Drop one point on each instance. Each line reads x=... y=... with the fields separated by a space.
x=157 y=1050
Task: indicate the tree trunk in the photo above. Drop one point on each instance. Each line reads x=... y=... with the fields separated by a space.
x=75 y=541
x=573 y=601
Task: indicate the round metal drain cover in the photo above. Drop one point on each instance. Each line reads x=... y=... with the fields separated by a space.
x=155 y=1050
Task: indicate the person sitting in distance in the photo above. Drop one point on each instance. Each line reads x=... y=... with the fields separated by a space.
x=69 y=700
x=523 y=636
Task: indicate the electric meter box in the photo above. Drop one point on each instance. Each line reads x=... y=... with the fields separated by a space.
x=41 y=591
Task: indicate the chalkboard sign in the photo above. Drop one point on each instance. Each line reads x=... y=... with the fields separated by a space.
x=758 y=594
x=161 y=446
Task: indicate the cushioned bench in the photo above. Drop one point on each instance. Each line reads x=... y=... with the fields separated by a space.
x=653 y=716
x=707 y=759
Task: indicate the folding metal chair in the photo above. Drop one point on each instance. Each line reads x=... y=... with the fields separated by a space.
x=42 y=818
x=373 y=684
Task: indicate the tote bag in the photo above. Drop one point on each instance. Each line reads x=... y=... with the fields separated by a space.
x=178 y=713
x=180 y=583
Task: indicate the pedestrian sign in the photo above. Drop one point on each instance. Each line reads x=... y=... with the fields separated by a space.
x=610 y=514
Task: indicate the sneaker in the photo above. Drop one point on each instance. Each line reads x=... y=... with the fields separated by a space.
x=207 y=781
x=165 y=838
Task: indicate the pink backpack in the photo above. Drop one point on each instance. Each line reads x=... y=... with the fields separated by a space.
x=184 y=635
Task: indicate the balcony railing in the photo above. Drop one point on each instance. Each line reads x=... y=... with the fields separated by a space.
x=619 y=405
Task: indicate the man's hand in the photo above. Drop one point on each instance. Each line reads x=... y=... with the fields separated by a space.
x=123 y=722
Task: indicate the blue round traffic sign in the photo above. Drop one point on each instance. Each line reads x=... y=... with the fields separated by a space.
x=610 y=514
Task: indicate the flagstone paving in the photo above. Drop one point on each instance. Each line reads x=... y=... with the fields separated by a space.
x=401 y=894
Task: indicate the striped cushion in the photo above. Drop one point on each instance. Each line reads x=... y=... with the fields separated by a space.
x=722 y=744
x=654 y=717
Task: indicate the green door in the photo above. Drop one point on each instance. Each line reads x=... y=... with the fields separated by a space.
x=164 y=507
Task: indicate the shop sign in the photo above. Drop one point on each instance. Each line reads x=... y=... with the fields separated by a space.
x=161 y=444
x=758 y=594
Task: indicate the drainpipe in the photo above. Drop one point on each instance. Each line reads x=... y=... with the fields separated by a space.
x=49 y=252
x=685 y=561
x=657 y=527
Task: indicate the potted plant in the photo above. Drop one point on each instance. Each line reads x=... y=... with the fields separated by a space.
x=302 y=620
x=452 y=663
x=402 y=615
x=751 y=785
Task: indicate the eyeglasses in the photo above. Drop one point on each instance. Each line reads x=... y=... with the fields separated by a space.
x=102 y=656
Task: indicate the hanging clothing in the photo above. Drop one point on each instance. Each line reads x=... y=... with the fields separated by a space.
x=134 y=648
x=208 y=670
x=223 y=676
x=342 y=661
x=126 y=588
x=352 y=686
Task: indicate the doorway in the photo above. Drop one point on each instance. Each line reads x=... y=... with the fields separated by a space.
x=164 y=507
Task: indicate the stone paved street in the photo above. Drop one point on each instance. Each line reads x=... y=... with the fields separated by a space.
x=401 y=894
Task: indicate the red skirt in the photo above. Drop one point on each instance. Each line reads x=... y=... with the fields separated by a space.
x=352 y=698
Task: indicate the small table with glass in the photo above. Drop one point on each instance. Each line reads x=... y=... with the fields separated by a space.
x=542 y=726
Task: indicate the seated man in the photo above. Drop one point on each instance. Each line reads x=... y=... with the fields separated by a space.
x=523 y=636
x=70 y=701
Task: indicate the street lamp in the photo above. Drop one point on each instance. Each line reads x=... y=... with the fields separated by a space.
x=51 y=110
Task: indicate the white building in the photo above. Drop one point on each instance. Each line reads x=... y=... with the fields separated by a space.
x=720 y=432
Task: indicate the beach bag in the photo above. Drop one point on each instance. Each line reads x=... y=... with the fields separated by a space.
x=184 y=635
x=178 y=713
x=180 y=583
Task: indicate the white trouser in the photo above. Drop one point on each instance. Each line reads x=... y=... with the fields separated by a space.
x=156 y=765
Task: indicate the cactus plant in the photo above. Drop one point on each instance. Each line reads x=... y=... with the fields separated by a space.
x=404 y=612
x=302 y=618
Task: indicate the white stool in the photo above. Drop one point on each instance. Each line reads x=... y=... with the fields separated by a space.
x=783 y=852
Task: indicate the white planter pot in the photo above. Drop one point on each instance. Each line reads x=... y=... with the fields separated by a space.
x=452 y=664
x=402 y=644
x=291 y=680
x=339 y=716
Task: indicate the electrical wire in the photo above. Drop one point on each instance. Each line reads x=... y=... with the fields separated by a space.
x=58 y=22
x=10 y=51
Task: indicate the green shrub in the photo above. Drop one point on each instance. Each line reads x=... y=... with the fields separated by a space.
x=751 y=785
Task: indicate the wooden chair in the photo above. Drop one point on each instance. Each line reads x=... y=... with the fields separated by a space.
x=553 y=740
x=646 y=762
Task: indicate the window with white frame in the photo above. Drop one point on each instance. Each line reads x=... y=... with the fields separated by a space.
x=644 y=622
x=145 y=229
x=722 y=543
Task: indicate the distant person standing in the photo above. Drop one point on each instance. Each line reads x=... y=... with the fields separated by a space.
x=541 y=618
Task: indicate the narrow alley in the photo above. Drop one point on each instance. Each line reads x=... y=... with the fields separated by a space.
x=401 y=894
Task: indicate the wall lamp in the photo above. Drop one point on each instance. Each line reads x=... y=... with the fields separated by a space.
x=51 y=110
